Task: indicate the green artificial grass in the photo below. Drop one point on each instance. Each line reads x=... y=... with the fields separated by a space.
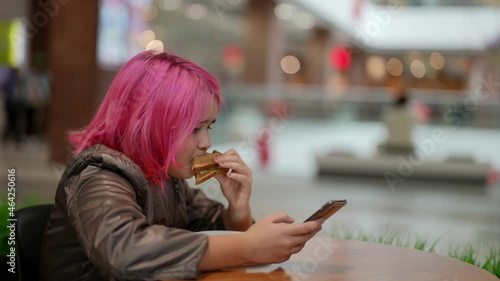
x=469 y=253
x=492 y=263
x=4 y=231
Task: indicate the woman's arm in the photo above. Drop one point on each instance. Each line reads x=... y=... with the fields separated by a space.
x=237 y=219
x=273 y=239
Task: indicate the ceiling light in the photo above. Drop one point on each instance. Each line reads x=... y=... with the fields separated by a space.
x=304 y=20
x=290 y=64
x=285 y=11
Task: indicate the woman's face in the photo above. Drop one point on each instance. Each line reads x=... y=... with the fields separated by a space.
x=195 y=145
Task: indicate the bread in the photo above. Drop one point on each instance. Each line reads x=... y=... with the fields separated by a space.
x=204 y=167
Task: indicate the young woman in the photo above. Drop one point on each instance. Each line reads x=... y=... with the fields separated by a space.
x=123 y=210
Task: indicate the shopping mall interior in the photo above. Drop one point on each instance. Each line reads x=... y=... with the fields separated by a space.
x=391 y=105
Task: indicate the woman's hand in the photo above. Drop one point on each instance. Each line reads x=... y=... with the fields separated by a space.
x=274 y=238
x=236 y=187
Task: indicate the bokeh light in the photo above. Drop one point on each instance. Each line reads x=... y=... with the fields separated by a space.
x=232 y=57
x=285 y=11
x=304 y=20
x=145 y=37
x=170 y=5
x=340 y=58
x=394 y=67
x=417 y=68
x=415 y=55
x=376 y=67
x=436 y=60
x=290 y=64
x=155 y=45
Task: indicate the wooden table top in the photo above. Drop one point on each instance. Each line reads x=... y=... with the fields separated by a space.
x=347 y=260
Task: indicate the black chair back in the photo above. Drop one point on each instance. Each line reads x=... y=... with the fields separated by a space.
x=31 y=222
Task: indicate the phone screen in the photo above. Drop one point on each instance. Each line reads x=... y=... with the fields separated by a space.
x=327 y=210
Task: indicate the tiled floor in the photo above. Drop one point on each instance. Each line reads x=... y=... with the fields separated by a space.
x=459 y=213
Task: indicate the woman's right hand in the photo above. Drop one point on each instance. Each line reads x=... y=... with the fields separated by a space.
x=274 y=238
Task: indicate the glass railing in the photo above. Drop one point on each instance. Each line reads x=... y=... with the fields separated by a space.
x=442 y=107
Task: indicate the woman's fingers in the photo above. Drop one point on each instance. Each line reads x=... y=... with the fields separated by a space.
x=278 y=218
x=238 y=167
x=228 y=158
x=301 y=229
x=232 y=151
x=239 y=177
x=297 y=248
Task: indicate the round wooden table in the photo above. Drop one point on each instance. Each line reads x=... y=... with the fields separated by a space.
x=347 y=260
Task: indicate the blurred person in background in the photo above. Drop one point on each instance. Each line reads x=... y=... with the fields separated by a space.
x=123 y=209
x=13 y=105
x=35 y=87
x=276 y=112
x=398 y=122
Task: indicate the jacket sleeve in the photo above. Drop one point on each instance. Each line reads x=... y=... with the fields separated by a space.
x=117 y=238
x=204 y=213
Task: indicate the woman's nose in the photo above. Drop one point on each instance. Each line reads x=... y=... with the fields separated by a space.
x=204 y=142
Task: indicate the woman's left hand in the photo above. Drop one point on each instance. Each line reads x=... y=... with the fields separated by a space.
x=236 y=186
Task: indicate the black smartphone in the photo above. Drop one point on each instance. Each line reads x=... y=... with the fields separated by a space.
x=327 y=210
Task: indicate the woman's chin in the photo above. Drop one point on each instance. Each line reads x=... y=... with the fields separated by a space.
x=188 y=174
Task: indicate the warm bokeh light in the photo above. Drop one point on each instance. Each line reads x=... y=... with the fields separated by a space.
x=290 y=64
x=417 y=68
x=340 y=58
x=196 y=11
x=170 y=5
x=415 y=55
x=145 y=37
x=436 y=60
x=394 y=67
x=155 y=45
x=304 y=20
x=376 y=67
x=285 y=11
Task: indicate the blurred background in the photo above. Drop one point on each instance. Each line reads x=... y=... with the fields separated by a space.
x=392 y=105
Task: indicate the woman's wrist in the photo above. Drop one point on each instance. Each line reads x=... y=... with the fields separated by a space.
x=225 y=252
x=238 y=219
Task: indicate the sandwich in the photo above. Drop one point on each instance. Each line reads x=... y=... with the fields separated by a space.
x=204 y=167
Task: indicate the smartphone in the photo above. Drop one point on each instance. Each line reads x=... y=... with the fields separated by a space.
x=330 y=208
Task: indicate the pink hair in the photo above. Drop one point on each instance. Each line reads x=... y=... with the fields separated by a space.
x=153 y=104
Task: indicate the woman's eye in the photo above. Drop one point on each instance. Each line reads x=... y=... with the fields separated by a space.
x=197 y=130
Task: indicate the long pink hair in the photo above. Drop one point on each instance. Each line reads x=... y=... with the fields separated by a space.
x=153 y=104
